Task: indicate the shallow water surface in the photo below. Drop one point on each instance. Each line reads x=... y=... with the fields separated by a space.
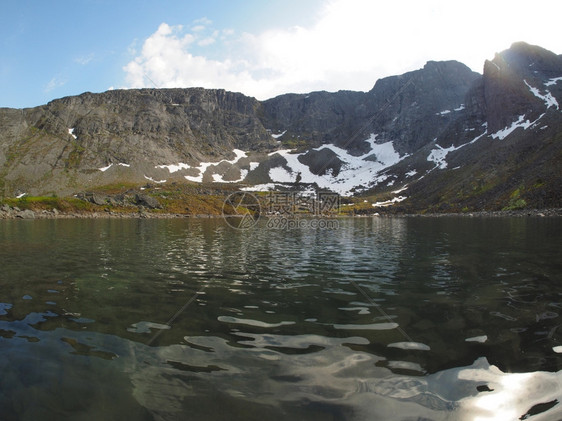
x=407 y=318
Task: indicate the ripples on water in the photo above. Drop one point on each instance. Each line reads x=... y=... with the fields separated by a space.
x=449 y=318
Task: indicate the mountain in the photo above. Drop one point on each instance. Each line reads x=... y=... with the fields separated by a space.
x=441 y=138
x=504 y=149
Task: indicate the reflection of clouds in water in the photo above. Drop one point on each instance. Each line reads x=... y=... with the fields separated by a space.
x=251 y=322
x=511 y=395
x=263 y=373
x=145 y=327
x=410 y=346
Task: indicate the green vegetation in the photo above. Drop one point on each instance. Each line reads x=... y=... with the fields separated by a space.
x=515 y=201
x=39 y=203
x=294 y=143
x=115 y=188
x=75 y=156
x=363 y=205
x=175 y=198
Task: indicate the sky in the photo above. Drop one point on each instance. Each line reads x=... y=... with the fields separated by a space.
x=262 y=48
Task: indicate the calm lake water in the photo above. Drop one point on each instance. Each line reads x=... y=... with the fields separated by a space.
x=380 y=319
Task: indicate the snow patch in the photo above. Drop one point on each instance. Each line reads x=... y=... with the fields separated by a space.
x=553 y=81
x=281 y=175
x=438 y=155
x=356 y=171
x=389 y=202
x=502 y=134
x=239 y=154
x=445 y=112
x=154 y=181
x=104 y=169
x=548 y=99
x=411 y=173
x=172 y=168
x=260 y=187
x=217 y=178
x=525 y=124
x=71 y=133
x=202 y=168
x=254 y=165
x=280 y=152
x=400 y=190
x=19 y=196
x=277 y=136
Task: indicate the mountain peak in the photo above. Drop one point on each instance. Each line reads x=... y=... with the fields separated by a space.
x=527 y=59
x=445 y=65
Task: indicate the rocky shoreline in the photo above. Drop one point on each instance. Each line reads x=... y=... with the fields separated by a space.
x=7 y=212
x=508 y=213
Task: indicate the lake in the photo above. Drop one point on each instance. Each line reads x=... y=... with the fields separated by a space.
x=452 y=318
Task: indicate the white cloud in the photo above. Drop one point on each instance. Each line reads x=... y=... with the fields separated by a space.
x=203 y=21
x=54 y=83
x=198 y=28
x=206 y=41
x=83 y=60
x=132 y=49
x=165 y=61
x=351 y=45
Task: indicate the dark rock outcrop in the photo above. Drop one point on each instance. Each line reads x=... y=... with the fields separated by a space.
x=147 y=201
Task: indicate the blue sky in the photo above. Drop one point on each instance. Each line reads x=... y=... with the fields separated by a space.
x=51 y=49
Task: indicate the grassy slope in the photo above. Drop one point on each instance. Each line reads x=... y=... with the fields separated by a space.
x=175 y=199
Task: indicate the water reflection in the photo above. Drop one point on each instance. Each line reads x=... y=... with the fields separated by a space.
x=382 y=319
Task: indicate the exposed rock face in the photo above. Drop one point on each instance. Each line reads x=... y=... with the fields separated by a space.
x=416 y=107
x=508 y=80
x=451 y=136
x=321 y=162
x=318 y=117
x=61 y=147
x=506 y=145
x=404 y=109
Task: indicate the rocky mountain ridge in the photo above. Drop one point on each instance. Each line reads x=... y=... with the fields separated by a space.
x=441 y=138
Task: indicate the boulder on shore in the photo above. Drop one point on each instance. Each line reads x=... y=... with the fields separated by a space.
x=26 y=214
x=147 y=201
